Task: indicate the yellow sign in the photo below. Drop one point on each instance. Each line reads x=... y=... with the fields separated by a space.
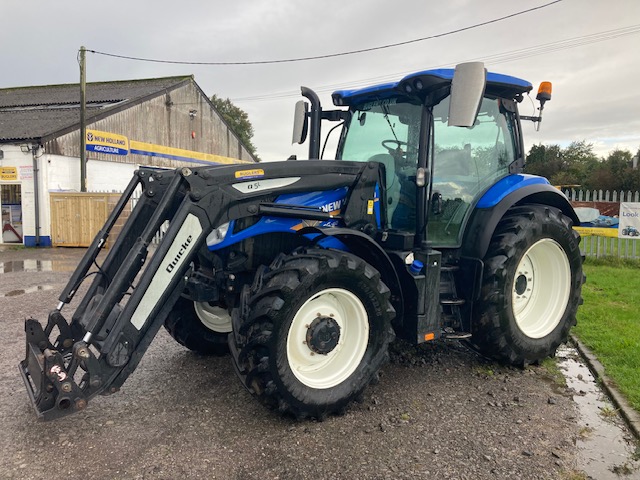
x=257 y=172
x=8 y=173
x=370 y=204
x=171 y=153
x=597 y=232
x=105 y=142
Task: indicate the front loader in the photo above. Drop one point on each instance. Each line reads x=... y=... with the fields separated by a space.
x=423 y=227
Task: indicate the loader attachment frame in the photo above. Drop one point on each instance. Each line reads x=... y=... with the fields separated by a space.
x=105 y=340
x=69 y=362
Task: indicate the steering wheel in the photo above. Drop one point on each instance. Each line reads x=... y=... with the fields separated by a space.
x=399 y=154
x=398 y=146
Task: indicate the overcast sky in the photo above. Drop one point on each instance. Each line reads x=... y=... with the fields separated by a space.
x=596 y=84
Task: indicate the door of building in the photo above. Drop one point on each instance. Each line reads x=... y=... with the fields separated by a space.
x=11 y=209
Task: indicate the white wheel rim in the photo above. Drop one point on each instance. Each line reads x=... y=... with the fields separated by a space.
x=326 y=370
x=216 y=319
x=541 y=288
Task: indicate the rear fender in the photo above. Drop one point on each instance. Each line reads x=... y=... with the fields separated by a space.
x=484 y=221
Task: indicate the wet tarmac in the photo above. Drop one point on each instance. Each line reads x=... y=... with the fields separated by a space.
x=14 y=266
x=34 y=266
x=606 y=448
x=22 y=291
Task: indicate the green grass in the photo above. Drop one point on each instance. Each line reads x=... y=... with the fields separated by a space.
x=609 y=321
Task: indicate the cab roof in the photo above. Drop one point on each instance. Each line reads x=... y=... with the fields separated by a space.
x=423 y=82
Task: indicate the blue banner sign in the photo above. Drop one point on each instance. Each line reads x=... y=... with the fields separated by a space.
x=105 y=142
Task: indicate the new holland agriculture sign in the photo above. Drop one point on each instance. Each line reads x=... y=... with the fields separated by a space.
x=104 y=142
x=114 y=144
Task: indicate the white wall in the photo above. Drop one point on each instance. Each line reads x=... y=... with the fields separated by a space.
x=108 y=176
x=64 y=174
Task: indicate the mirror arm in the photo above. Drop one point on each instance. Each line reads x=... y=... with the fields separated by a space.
x=315 y=116
x=336 y=115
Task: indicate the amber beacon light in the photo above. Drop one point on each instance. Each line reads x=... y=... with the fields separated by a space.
x=544 y=93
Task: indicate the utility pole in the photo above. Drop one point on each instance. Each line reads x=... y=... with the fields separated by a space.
x=83 y=125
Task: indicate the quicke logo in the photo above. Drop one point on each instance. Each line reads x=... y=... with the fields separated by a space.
x=174 y=263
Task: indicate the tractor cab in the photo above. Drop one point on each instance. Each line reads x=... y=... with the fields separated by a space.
x=435 y=170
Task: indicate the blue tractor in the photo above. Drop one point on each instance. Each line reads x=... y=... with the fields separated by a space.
x=424 y=227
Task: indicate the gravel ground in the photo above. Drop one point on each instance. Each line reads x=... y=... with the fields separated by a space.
x=439 y=411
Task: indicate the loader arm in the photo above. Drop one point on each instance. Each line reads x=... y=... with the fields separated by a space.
x=137 y=285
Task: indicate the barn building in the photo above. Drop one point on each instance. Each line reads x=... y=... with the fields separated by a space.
x=162 y=122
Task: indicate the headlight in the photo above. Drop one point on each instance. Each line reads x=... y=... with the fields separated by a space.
x=218 y=235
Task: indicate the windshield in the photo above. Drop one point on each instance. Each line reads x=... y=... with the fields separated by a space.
x=386 y=131
x=466 y=161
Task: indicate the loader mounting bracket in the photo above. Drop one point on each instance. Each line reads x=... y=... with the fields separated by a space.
x=51 y=388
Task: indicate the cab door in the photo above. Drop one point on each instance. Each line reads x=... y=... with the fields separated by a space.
x=466 y=162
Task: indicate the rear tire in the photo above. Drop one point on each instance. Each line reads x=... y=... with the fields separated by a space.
x=312 y=332
x=531 y=287
x=199 y=326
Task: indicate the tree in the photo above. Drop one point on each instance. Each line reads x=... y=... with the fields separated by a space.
x=615 y=173
x=578 y=165
x=572 y=165
x=238 y=121
x=544 y=160
x=579 y=161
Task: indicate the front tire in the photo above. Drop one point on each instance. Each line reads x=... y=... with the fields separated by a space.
x=531 y=287
x=312 y=332
x=199 y=326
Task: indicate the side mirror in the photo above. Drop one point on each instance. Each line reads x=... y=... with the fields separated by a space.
x=300 y=122
x=467 y=89
x=436 y=203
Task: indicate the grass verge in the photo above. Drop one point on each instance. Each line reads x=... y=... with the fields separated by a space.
x=609 y=321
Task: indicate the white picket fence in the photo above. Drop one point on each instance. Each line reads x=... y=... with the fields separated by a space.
x=601 y=196
x=596 y=246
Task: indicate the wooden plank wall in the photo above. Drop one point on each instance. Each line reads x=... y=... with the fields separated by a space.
x=76 y=218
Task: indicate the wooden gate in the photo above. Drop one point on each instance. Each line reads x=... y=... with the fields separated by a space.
x=76 y=218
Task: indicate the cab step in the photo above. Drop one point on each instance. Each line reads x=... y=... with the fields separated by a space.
x=452 y=302
x=455 y=335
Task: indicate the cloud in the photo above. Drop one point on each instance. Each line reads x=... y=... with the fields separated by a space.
x=595 y=88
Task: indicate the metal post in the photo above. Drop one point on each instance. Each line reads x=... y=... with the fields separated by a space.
x=83 y=126
x=36 y=194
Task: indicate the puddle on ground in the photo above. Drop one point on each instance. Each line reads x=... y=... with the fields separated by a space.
x=37 y=266
x=37 y=288
x=606 y=448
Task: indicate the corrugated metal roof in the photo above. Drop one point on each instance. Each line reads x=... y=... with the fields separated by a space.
x=28 y=113
x=34 y=124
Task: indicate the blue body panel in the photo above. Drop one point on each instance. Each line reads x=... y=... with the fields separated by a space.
x=507 y=185
x=327 y=201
